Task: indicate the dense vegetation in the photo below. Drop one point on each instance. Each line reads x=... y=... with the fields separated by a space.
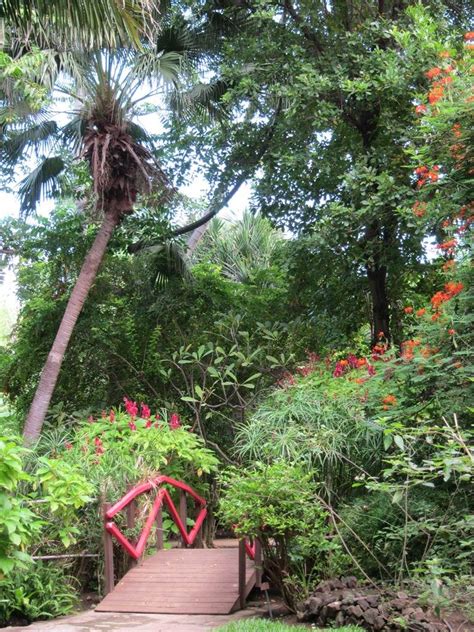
x=306 y=366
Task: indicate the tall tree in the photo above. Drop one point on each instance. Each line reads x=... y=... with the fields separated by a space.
x=117 y=152
x=347 y=74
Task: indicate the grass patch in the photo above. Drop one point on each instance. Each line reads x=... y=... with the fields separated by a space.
x=264 y=625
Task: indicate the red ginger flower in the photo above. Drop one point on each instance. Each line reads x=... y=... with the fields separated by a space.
x=175 y=422
x=145 y=411
x=131 y=407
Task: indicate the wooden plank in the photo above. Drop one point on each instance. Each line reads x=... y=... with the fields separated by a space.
x=187 y=581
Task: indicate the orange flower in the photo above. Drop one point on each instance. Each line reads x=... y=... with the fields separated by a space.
x=453 y=288
x=408 y=309
x=469 y=35
x=389 y=400
x=343 y=362
x=445 y=54
x=421 y=312
x=421 y=109
x=419 y=208
x=448 y=245
x=438 y=299
x=456 y=129
x=451 y=263
x=361 y=362
x=436 y=316
x=451 y=332
x=433 y=72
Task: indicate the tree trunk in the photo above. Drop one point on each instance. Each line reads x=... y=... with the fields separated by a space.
x=49 y=375
x=377 y=277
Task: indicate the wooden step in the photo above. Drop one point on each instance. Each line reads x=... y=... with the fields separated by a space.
x=185 y=581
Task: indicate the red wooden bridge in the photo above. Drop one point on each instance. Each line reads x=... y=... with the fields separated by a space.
x=186 y=580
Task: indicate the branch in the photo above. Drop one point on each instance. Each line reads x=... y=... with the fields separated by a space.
x=307 y=32
x=221 y=199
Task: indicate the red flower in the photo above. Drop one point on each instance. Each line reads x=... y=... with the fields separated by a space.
x=408 y=309
x=99 y=448
x=370 y=369
x=175 y=422
x=421 y=109
x=90 y=419
x=421 y=312
x=68 y=445
x=132 y=426
x=112 y=416
x=145 y=412
x=148 y=423
x=131 y=407
x=389 y=400
x=451 y=332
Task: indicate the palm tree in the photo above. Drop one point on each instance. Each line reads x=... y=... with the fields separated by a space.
x=78 y=24
x=107 y=89
x=241 y=249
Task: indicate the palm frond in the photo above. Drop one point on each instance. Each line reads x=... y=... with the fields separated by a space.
x=20 y=142
x=41 y=183
x=204 y=99
x=79 y=24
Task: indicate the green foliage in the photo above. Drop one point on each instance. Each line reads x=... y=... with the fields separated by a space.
x=316 y=421
x=18 y=524
x=43 y=591
x=278 y=504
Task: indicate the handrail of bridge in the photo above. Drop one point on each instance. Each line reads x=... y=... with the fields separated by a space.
x=163 y=497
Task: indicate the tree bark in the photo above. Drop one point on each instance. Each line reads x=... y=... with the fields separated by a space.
x=50 y=373
x=377 y=278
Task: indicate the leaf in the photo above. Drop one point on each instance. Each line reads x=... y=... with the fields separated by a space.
x=399 y=442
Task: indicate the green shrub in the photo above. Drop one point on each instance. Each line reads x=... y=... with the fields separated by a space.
x=278 y=505
x=43 y=591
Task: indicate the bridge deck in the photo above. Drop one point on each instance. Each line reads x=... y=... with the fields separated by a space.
x=185 y=581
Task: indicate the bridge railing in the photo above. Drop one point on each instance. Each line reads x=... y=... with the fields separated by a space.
x=155 y=518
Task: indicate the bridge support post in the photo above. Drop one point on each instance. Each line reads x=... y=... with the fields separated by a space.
x=183 y=512
x=258 y=563
x=108 y=556
x=159 y=530
x=242 y=569
x=131 y=509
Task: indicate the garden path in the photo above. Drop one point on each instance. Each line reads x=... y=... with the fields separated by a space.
x=91 y=621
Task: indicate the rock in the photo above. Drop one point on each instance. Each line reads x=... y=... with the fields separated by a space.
x=334 y=607
x=314 y=604
x=373 y=600
x=363 y=603
x=402 y=595
x=350 y=582
x=340 y=619
x=355 y=611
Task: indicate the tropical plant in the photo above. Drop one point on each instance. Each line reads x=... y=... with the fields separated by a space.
x=243 y=249
x=121 y=167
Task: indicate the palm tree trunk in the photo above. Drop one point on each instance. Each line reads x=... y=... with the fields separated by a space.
x=50 y=373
